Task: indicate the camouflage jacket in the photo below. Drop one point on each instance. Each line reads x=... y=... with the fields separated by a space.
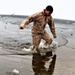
x=39 y=22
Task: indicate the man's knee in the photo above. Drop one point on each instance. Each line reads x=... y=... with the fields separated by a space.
x=50 y=41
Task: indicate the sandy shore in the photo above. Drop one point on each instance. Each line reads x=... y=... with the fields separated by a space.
x=12 y=40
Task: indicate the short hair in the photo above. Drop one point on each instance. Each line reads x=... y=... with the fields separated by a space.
x=49 y=8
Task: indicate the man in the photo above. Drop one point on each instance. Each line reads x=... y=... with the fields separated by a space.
x=40 y=20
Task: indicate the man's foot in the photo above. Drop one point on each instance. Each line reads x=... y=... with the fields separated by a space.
x=34 y=51
x=29 y=50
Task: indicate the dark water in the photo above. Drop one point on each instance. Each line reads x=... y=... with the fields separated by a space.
x=43 y=64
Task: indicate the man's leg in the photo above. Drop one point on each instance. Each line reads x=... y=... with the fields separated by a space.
x=47 y=38
x=36 y=38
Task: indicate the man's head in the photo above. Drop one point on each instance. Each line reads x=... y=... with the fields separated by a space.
x=48 y=10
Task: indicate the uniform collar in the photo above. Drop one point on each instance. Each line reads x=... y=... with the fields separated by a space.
x=43 y=13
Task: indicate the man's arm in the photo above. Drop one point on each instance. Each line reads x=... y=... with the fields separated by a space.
x=52 y=27
x=24 y=23
x=27 y=21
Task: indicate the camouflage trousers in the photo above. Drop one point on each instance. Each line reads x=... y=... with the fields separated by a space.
x=36 y=39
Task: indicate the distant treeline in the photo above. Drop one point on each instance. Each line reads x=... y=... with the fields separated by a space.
x=15 y=16
x=62 y=21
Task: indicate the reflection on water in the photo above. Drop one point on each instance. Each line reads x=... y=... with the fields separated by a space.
x=43 y=64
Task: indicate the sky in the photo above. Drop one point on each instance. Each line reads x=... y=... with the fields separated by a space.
x=63 y=9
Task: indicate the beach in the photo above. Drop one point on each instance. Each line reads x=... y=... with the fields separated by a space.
x=13 y=40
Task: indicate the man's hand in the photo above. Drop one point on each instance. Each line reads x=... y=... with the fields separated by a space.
x=55 y=36
x=21 y=27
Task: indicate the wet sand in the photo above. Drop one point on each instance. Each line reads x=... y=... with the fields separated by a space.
x=12 y=40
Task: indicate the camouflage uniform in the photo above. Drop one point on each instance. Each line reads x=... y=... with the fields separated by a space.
x=38 y=30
